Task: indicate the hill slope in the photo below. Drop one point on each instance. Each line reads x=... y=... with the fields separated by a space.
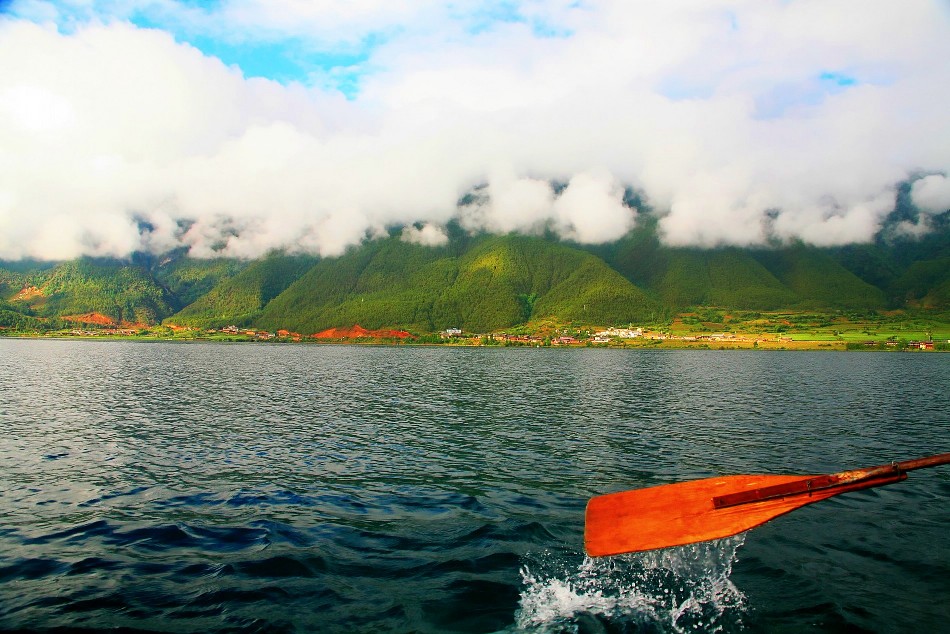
x=187 y=279
x=239 y=299
x=115 y=289
x=483 y=283
x=500 y=282
x=681 y=277
x=913 y=272
x=819 y=281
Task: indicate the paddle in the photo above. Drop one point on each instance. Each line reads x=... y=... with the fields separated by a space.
x=700 y=510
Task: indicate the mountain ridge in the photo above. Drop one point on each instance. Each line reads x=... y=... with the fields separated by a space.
x=483 y=283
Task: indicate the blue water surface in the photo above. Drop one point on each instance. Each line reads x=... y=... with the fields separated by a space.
x=252 y=487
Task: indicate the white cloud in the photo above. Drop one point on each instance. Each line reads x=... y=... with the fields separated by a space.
x=510 y=203
x=829 y=224
x=591 y=209
x=739 y=121
x=428 y=235
x=932 y=193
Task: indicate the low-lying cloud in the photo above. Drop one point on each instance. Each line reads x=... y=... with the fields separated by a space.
x=738 y=121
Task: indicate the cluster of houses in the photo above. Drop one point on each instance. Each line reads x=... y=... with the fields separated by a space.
x=79 y=332
x=911 y=345
x=262 y=335
x=603 y=336
x=617 y=333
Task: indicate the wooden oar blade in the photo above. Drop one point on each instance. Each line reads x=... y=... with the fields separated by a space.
x=713 y=508
x=674 y=514
x=684 y=513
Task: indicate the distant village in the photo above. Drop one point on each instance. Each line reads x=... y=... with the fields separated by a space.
x=449 y=334
x=609 y=336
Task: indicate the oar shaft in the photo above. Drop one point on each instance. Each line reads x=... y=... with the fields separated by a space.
x=895 y=467
x=863 y=478
x=921 y=463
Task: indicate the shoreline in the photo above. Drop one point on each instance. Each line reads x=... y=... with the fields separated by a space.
x=633 y=344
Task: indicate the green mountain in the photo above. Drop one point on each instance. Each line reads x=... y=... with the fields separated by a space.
x=116 y=289
x=819 y=281
x=913 y=272
x=484 y=283
x=727 y=277
x=683 y=277
x=188 y=279
x=511 y=279
x=872 y=263
x=14 y=276
x=499 y=282
x=924 y=284
x=237 y=299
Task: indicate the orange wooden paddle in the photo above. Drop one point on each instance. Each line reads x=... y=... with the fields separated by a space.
x=700 y=510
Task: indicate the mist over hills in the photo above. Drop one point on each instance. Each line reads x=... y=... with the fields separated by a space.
x=483 y=283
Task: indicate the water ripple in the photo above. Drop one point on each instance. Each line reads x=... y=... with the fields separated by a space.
x=213 y=487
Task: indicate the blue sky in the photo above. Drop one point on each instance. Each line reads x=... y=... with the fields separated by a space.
x=314 y=125
x=283 y=58
x=332 y=61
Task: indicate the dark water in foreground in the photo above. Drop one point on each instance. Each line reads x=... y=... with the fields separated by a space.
x=215 y=487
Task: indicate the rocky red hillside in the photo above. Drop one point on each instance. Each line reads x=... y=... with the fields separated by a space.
x=98 y=319
x=358 y=332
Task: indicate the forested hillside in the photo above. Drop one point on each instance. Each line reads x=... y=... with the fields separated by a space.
x=239 y=299
x=189 y=279
x=117 y=290
x=482 y=283
x=499 y=282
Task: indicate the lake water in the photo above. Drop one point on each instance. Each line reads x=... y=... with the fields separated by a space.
x=253 y=487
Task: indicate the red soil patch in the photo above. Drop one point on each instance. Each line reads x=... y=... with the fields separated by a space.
x=98 y=319
x=90 y=318
x=27 y=292
x=358 y=332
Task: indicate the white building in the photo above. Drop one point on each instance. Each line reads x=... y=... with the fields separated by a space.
x=622 y=333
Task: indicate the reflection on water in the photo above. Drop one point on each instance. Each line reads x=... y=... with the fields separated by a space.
x=338 y=488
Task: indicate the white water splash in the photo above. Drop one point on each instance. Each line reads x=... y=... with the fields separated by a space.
x=684 y=589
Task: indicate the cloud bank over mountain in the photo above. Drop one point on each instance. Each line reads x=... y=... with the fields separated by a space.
x=741 y=121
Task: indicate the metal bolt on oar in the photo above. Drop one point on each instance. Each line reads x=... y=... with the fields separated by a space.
x=713 y=508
